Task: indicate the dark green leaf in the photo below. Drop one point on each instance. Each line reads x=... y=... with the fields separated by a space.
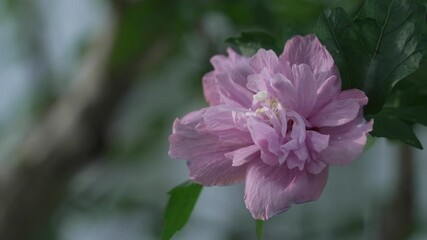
x=381 y=47
x=391 y=127
x=259 y=229
x=370 y=31
x=401 y=24
x=412 y=91
x=248 y=43
x=414 y=114
x=181 y=203
x=335 y=29
x=422 y=47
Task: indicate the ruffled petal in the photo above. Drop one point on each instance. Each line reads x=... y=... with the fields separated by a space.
x=315 y=166
x=341 y=110
x=210 y=89
x=205 y=149
x=309 y=50
x=224 y=117
x=316 y=141
x=230 y=92
x=283 y=89
x=215 y=170
x=244 y=155
x=292 y=161
x=272 y=190
x=279 y=86
x=226 y=84
x=266 y=138
x=264 y=59
x=305 y=89
x=258 y=82
x=327 y=91
x=346 y=142
x=232 y=61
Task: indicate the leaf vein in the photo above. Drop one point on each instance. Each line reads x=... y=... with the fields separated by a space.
x=347 y=71
x=382 y=31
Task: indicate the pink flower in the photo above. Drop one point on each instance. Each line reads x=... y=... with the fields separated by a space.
x=276 y=123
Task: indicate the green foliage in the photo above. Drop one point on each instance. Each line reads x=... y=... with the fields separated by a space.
x=335 y=29
x=181 y=203
x=259 y=229
x=396 y=123
x=398 y=32
x=381 y=46
x=412 y=114
x=389 y=126
x=376 y=50
x=248 y=43
x=412 y=91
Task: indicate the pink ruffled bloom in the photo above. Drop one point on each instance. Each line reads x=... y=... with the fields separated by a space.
x=276 y=123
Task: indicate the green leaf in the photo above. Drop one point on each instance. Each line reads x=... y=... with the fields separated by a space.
x=248 y=43
x=401 y=24
x=413 y=114
x=336 y=31
x=181 y=203
x=369 y=142
x=422 y=47
x=412 y=91
x=259 y=229
x=381 y=47
x=391 y=127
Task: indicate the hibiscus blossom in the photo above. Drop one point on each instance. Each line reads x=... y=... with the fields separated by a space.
x=276 y=123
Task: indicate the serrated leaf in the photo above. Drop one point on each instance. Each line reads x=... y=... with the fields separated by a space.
x=180 y=205
x=248 y=43
x=335 y=30
x=259 y=229
x=381 y=47
x=412 y=91
x=391 y=127
x=396 y=55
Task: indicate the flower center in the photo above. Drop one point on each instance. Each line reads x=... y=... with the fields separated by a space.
x=262 y=103
x=289 y=126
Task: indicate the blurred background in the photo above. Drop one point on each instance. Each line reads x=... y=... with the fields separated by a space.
x=88 y=93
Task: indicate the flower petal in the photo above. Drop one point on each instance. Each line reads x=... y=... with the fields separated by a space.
x=327 y=91
x=215 y=170
x=257 y=82
x=292 y=161
x=232 y=93
x=266 y=138
x=243 y=155
x=224 y=117
x=308 y=50
x=316 y=141
x=226 y=84
x=341 y=110
x=232 y=61
x=346 y=142
x=305 y=88
x=283 y=89
x=272 y=190
x=205 y=150
x=315 y=166
x=264 y=59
